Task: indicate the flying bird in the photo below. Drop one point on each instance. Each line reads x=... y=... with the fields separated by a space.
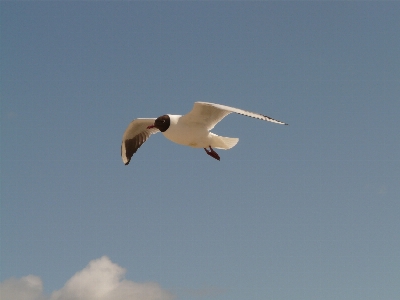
x=192 y=129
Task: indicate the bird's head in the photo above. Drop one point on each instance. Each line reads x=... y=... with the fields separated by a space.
x=161 y=123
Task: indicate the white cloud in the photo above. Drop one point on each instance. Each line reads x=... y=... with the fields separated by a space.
x=25 y=288
x=100 y=280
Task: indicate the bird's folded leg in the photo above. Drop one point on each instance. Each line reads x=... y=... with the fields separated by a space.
x=212 y=153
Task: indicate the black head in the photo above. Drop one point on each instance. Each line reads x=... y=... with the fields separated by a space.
x=162 y=123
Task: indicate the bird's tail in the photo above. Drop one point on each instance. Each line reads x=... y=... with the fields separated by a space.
x=221 y=142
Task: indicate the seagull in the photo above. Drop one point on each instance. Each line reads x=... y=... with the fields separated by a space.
x=192 y=129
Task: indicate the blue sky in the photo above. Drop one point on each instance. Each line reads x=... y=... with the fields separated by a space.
x=305 y=211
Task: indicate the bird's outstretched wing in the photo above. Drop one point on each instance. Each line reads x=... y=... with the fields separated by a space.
x=134 y=136
x=210 y=114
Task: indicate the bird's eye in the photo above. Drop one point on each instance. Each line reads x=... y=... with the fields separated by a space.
x=163 y=121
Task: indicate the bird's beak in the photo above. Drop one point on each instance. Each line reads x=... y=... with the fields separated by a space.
x=151 y=126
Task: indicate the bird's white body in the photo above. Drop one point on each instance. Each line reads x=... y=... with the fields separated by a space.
x=195 y=135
